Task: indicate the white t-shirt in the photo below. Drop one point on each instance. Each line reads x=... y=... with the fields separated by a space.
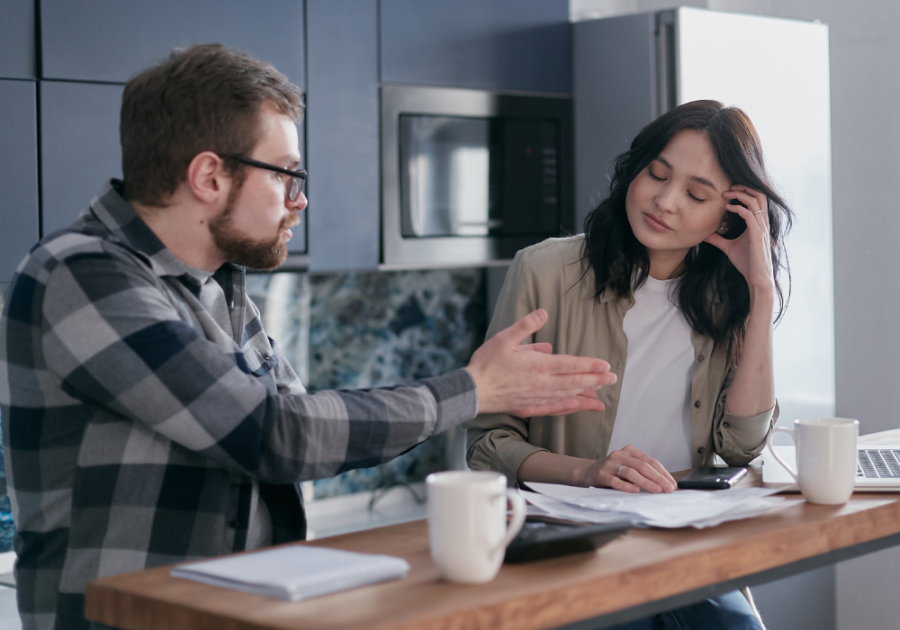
x=654 y=406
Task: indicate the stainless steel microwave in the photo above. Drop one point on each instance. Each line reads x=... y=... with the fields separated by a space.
x=469 y=177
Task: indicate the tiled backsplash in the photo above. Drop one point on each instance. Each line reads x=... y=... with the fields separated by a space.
x=375 y=329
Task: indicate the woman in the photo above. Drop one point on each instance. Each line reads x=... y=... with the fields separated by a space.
x=675 y=284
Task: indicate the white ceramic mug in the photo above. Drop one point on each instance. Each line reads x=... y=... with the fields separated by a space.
x=826 y=458
x=467 y=523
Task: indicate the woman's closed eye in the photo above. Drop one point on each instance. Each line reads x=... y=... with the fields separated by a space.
x=695 y=197
x=655 y=176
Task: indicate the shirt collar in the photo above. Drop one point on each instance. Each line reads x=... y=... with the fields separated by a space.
x=117 y=215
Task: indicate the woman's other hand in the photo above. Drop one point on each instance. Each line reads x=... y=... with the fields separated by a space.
x=629 y=470
x=750 y=253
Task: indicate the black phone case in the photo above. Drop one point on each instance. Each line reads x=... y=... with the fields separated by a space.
x=719 y=479
x=547 y=538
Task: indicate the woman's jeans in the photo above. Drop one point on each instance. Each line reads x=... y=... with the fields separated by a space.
x=727 y=612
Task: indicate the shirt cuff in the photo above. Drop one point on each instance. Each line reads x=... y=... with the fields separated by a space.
x=503 y=452
x=744 y=437
x=456 y=398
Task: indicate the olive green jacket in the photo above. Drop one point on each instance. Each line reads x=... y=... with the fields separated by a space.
x=552 y=276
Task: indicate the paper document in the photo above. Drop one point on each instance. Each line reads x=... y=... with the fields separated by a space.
x=682 y=508
x=295 y=573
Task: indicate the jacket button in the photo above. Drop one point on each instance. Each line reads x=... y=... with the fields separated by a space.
x=725 y=424
x=700 y=450
x=234 y=523
x=701 y=358
x=697 y=404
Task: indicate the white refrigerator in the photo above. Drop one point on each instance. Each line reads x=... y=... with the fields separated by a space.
x=630 y=69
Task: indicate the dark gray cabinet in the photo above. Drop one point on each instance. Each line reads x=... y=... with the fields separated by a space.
x=18 y=173
x=342 y=134
x=17 y=39
x=110 y=40
x=498 y=45
x=79 y=147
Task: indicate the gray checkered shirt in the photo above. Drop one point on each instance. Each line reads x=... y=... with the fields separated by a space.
x=137 y=432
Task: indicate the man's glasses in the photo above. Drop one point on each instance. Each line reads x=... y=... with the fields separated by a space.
x=294 y=184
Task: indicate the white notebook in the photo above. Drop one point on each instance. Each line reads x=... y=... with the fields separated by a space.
x=295 y=573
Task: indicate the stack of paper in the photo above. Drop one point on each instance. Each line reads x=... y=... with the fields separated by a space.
x=682 y=508
x=295 y=573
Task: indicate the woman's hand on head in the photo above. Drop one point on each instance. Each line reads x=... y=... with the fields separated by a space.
x=629 y=470
x=751 y=252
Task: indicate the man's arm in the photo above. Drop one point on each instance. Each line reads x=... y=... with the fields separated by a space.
x=116 y=340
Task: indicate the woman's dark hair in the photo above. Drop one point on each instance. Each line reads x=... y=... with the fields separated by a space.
x=712 y=294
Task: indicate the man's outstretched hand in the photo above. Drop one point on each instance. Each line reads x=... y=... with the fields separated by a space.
x=528 y=380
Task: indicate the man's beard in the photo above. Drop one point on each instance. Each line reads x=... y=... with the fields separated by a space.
x=237 y=248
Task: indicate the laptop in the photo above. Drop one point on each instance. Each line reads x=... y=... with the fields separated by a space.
x=877 y=468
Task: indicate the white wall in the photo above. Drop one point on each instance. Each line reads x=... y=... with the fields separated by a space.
x=865 y=98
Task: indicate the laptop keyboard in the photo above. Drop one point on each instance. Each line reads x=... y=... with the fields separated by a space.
x=875 y=463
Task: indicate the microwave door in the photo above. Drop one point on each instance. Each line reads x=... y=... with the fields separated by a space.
x=444 y=176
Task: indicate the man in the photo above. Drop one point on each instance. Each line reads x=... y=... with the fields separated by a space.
x=147 y=417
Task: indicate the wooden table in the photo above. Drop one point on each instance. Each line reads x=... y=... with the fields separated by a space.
x=644 y=572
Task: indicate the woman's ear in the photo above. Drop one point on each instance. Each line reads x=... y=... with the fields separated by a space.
x=723 y=226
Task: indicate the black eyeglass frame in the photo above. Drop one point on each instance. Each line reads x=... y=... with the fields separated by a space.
x=297 y=177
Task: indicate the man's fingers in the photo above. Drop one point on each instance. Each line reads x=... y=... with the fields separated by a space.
x=568 y=364
x=577 y=382
x=542 y=347
x=560 y=407
x=528 y=325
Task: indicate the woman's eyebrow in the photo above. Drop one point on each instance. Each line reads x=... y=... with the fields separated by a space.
x=699 y=180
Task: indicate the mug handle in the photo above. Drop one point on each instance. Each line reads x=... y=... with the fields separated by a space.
x=776 y=456
x=518 y=519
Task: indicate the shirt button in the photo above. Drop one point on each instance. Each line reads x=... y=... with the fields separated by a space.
x=697 y=404
x=700 y=450
x=701 y=358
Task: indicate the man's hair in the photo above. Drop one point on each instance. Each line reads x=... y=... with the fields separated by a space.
x=202 y=98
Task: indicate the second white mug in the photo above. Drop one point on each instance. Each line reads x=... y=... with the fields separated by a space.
x=467 y=527
x=826 y=458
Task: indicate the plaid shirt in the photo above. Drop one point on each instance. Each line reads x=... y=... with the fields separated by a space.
x=139 y=433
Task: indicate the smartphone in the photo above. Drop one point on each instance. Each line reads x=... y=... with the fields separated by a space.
x=734 y=223
x=712 y=478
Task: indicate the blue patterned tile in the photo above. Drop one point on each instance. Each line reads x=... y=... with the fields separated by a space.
x=376 y=329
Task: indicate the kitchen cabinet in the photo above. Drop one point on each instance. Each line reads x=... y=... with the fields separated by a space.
x=17 y=39
x=497 y=45
x=18 y=173
x=342 y=134
x=79 y=147
x=110 y=40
